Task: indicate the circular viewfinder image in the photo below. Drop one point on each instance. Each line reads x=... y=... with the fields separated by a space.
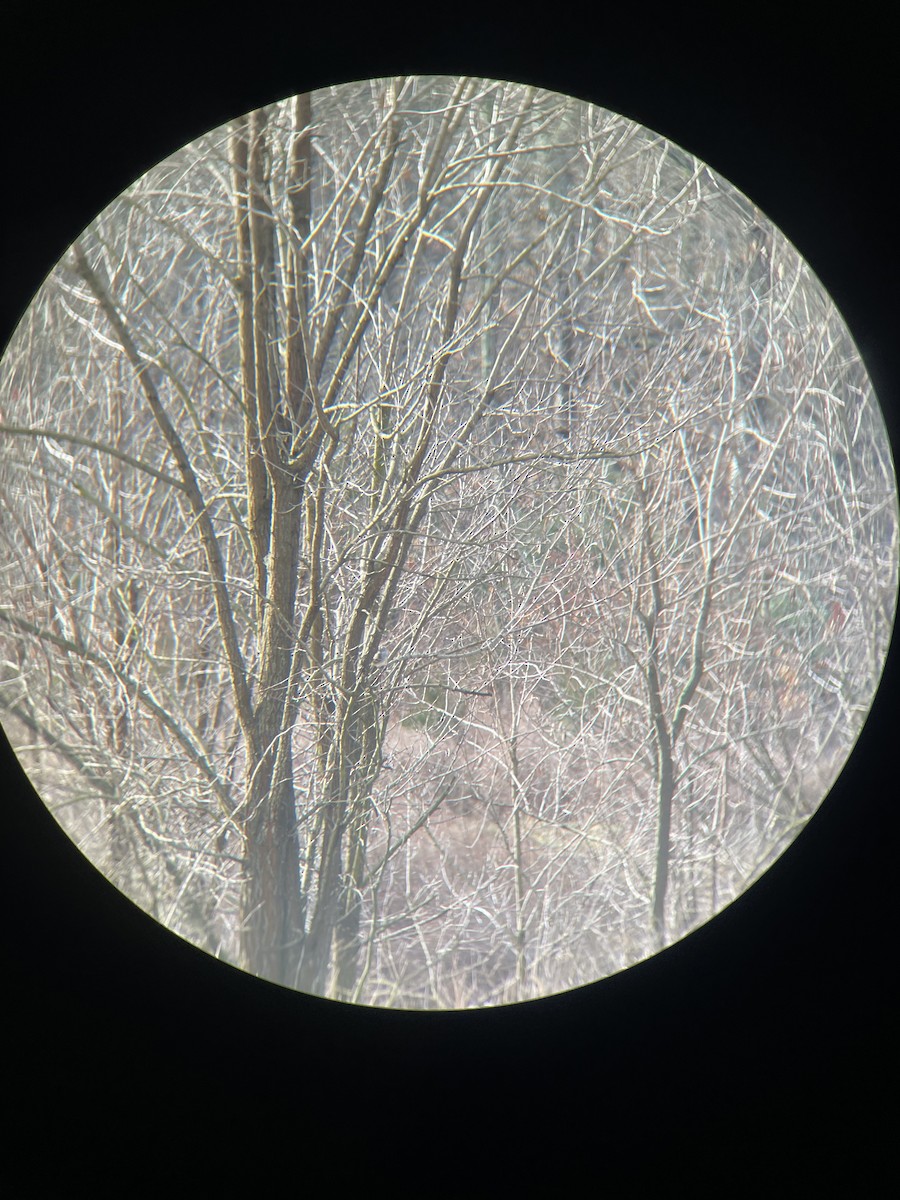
x=450 y=543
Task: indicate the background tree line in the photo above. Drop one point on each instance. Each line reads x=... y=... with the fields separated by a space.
x=455 y=556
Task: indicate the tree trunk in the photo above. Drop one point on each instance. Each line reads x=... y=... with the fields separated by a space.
x=332 y=952
x=272 y=931
x=665 y=796
x=275 y=402
x=348 y=942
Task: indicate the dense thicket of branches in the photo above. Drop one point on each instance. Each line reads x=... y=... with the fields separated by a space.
x=450 y=542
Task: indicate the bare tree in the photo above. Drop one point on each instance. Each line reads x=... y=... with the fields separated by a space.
x=452 y=542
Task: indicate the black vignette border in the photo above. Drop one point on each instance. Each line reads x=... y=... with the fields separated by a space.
x=764 y=1038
